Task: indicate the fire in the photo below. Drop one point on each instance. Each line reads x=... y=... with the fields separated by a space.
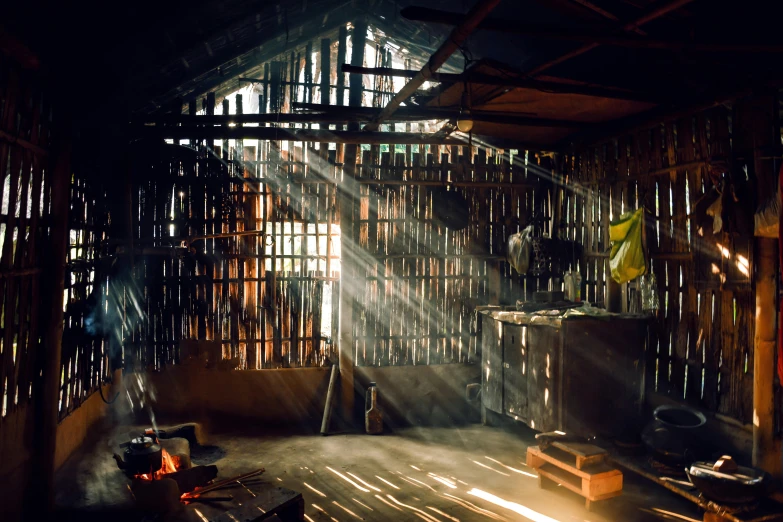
x=170 y=465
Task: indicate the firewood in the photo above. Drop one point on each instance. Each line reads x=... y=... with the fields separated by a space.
x=190 y=479
x=222 y=483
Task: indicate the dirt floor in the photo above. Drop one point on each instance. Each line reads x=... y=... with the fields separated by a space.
x=473 y=473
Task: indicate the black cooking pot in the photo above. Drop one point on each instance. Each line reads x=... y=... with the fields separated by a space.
x=674 y=436
x=142 y=455
x=739 y=486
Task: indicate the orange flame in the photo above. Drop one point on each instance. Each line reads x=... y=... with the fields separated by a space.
x=170 y=465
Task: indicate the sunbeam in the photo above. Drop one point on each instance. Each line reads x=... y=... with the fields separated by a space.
x=526 y=512
x=349 y=481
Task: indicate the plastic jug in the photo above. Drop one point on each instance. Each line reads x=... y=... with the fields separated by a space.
x=373 y=420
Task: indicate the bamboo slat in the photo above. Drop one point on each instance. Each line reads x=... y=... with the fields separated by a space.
x=701 y=341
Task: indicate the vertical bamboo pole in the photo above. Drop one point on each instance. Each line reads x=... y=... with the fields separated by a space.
x=325 y=71
x=341 y=54
x=349 y=253
x=53 y=278
x=766 y=448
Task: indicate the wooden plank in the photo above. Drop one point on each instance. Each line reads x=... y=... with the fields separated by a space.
x=492 y=363
x=579 y=449
x=543 y=373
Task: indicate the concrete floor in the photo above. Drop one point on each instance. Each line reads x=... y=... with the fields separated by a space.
x=472 y=473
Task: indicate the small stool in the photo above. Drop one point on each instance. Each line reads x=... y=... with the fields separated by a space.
x=582 y=468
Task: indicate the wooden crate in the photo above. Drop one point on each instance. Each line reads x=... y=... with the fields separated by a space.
x=582 y=469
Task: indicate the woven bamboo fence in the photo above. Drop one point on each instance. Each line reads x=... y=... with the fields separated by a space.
x=701 y=347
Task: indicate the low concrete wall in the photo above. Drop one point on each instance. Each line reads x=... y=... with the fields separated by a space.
x=284 y=396
x=17 y=451
x=421 y=395
x=74 y=429
x=16 y=455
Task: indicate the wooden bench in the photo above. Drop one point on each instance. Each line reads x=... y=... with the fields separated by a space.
x=582 y=468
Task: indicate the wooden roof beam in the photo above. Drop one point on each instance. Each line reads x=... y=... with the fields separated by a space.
x=656 y=13
x=447 y=48
x=436 y=113
x=331 y=114
x=513 y=82
x=666 y=113
x=436 y=16
x=304 y=135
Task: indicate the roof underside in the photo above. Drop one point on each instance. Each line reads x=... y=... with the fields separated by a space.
x=144 y=56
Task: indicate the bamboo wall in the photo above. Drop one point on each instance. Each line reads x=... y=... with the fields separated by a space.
x=84 y=360
x=263 y=294
x=423 y=280
x=25 y=197
x=701 y=346
x=262 y=260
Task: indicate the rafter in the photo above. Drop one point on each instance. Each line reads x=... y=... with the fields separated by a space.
x=447 y=48
x=514 y=81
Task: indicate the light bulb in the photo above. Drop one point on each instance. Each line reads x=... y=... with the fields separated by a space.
x=465 y=121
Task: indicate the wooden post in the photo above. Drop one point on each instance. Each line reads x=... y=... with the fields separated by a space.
x=766 y=449
x=326 y=69
x=53 y=280
x=761 y=120
x=341 y=54
x=347 y=203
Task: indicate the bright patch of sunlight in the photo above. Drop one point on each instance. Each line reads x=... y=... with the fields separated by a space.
x=386 y=482
x=363 y=482
x=743 y=265
x=351 y=482
x=535 y=516
x=346 y=510
x=311 y=488
x=442 y=480
x=515 y=470
x=491 y=469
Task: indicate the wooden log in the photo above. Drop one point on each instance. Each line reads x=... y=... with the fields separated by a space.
x=192 y=478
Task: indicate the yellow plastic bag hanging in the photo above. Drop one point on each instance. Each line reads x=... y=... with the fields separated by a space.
x=627 y=260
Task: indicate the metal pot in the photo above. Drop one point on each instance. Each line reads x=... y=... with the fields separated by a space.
x=674 y=436
x=142 y=455
x=739 y=486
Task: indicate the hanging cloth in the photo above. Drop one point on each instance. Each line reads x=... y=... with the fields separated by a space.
x=626 y=259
